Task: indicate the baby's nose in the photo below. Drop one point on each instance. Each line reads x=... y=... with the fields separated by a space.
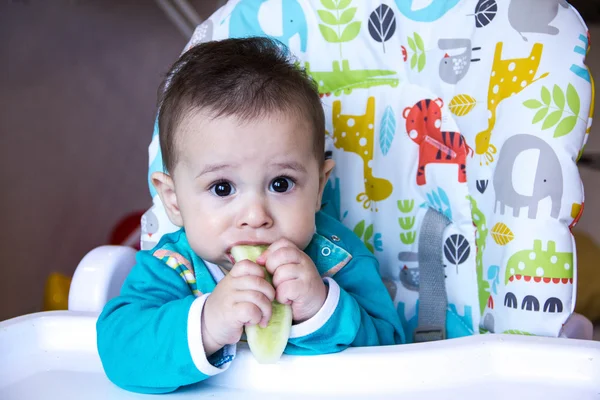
x=256 y=215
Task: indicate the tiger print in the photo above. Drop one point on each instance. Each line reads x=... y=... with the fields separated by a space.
x=423 y=126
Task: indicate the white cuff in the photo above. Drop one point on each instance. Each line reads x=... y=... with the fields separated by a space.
x=195 y=344
x=322 y=316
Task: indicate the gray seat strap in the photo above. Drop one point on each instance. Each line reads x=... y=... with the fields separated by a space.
x=433 y=300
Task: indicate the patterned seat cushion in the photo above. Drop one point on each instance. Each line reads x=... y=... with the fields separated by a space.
x=478 y=109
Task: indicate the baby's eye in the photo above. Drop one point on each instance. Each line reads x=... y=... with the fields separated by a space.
x=281 y=184
x=222 y=189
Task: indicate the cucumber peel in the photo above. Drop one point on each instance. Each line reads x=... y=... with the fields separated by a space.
x=266 y=344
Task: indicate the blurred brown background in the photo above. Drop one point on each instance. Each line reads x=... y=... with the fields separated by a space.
x=78 y=84
x=78 y=87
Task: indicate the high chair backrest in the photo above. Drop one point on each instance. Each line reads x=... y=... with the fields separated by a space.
x=455 y=127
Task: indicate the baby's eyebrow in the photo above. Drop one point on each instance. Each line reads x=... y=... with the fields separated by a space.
x=294 y=166
x=214 y=168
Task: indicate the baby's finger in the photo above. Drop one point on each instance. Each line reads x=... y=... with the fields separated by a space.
x=289 y=291
x=260 y=301
x=283 y=256
x=247 y=268
x=286 y=272
x=247 y=313
x=256 y=284
x=272 y=248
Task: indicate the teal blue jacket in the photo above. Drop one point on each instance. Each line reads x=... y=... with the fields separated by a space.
x=149 y=337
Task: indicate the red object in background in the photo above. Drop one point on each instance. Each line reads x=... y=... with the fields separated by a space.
x=128 y=231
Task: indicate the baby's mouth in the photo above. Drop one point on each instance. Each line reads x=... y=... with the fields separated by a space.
x=230 y=257
x=243 y=243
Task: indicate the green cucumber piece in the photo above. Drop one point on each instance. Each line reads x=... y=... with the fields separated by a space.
x=266 y=344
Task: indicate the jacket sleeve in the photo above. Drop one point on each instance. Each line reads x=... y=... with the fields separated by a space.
x=357 y=312
x=149 y=337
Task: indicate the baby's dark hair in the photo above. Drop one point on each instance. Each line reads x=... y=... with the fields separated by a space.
x=247 y=78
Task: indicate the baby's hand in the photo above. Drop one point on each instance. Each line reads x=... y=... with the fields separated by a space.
x=296 y=279
x=242 y=297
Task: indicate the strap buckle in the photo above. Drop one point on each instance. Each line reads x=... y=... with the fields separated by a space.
x=429 y=333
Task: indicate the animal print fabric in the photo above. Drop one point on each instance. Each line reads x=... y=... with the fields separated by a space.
x=478 y=109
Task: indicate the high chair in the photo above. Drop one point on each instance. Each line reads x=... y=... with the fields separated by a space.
x=469 y=113
x=53 y=355
x=462 y=118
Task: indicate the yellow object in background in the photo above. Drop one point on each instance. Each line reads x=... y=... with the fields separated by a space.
x=56 y=292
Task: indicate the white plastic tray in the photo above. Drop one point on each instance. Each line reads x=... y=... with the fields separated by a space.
x=53 y=356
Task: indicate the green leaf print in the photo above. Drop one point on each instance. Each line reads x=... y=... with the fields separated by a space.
x=565 y=126
x=329 y=4
x=546 y=95
x=413 y=61
x=552 y=119
x=559 y=97
x=347 y=15
x=328 y=17
x=573 y=99
x=418 y=57
x=350 y=32
x=421 y=63
x=540 y=115
x=533 y=104
x=337 y=26
x=369 y=232
x=329 y=34
x=411 y=44
x=359 y=228
x=419 y=42
x=552 y=108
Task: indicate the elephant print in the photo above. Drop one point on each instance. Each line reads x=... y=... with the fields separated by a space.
x=548 y=181
x=432 y=12
x=520 y=14
x=244 y=21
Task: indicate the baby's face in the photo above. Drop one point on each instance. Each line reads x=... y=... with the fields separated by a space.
x=246 y=182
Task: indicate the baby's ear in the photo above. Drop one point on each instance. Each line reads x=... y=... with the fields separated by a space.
x=166 y=191
x=323 y=178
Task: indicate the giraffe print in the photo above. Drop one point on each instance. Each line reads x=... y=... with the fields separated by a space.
x=356 y=134
x=508 y=77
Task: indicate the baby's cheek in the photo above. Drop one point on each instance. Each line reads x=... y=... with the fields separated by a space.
x=301 y=230
x=198 y=242
x=203 y=236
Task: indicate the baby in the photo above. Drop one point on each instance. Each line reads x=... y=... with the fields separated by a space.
x=242 y=139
